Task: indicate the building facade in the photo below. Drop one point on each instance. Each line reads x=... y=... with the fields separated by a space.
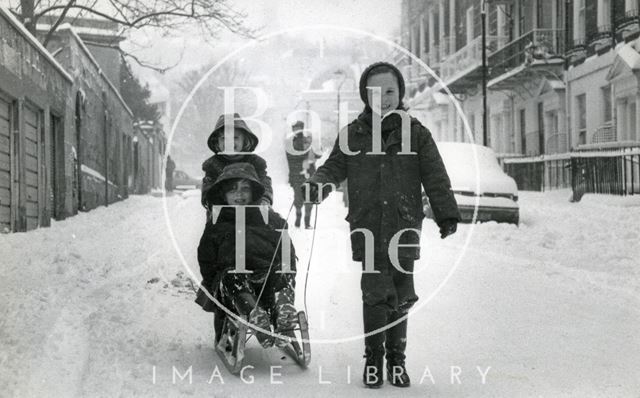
x=34 y=110
x=67 y=138
x=561 y=73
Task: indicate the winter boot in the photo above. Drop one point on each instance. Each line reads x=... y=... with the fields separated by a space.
x=260 y=318
x=373 y=374
x=307 y=219
x=286 y=314
x=374 y=317
x=244 y=303
x=395 y=345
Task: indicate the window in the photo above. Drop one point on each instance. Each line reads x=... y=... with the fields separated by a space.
x=559 y=15
x=539 y=14
x=541 y=139
x=523 y=132
x=521 y=17
x=496 y=131
x=470 y=24
x=580 y=21
x=436 y=28
x=581 y=118
x=425 y=35
x=604 y=14
x=631 y=123
x=630 y=5
x=415 y=40
x=607 y=105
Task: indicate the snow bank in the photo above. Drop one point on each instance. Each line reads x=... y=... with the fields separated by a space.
x=101 y=305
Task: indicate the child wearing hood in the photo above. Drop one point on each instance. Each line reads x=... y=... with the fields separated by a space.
x=238 y=185
x=385 y=198
x=244 y=140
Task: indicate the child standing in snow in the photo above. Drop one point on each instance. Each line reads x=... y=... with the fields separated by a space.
x=301 y=167
x=385 y=198
x=239 y=185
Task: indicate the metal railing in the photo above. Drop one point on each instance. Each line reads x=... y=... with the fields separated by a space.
x=540 y=173
x=470 y=55
x=447 y=47
x=545 y=42
x=433 y=56
x=602 y=32
x=611 y=170
x=630 y=17
x=604 y=133
x=557 y=142
x=615 y=172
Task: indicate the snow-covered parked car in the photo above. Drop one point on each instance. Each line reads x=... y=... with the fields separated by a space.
x=482 y=185
x=183 y=181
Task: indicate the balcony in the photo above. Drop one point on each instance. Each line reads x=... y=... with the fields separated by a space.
x=599 y=39
x=433 y=57
x=577 y=50
x=447 y=47
x=627 y=25
x=462 y=70
x=540 y=50
x=604 y=133
x=469 y=57
x=557 y=142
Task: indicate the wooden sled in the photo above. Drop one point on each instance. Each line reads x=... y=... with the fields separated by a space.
x=235 y=334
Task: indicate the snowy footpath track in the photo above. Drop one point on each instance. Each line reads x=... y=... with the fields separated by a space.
x=101 y=305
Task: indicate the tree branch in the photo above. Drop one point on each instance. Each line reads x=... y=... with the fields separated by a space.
x=137 y=60
x=81 y=7
x=57 y=23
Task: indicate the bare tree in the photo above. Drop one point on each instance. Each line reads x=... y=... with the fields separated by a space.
x=207 y=104
x=167 y=16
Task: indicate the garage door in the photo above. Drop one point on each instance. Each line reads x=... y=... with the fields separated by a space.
x=5 y=166
x=31 y=129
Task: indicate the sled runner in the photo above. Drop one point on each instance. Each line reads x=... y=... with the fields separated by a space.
x=233 y=336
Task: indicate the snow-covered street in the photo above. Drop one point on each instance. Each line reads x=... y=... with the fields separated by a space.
x=101 y=305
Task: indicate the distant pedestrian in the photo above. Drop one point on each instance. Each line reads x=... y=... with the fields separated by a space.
x=171 y=166
x=301 y=166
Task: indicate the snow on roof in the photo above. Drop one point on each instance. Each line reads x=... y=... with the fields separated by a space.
x=85 y=30
x=29 y=37
x=426 y=94
x=66 y=26
x=630 y=56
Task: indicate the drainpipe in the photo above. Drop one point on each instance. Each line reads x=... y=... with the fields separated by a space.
x=483 y=13
x=567 y=91
x=106 y=148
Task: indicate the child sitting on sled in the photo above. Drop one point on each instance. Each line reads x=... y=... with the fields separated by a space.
x=237 y=186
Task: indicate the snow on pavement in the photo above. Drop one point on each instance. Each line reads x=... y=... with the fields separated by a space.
x=101 y=305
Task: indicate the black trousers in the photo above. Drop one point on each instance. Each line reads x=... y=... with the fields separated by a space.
x=387 y=295
x=298 y=202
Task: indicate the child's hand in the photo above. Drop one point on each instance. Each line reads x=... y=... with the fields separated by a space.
x=448 y=227
x=311 y=188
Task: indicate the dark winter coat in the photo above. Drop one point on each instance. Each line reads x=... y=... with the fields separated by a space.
x=217 y=249
x=213 y=166
x=302 y=164
x=385 y=190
